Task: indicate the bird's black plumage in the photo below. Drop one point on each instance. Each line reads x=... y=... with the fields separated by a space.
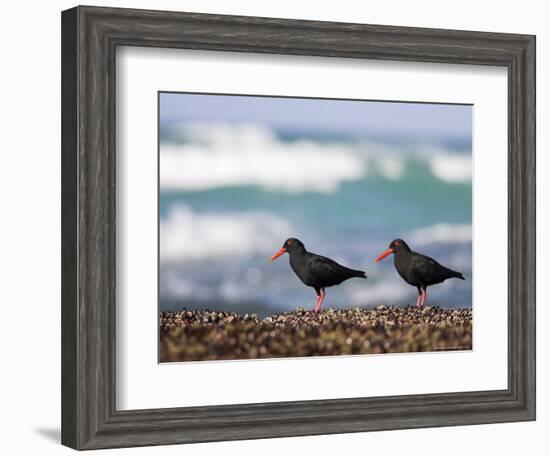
x=314 y=270
x=417 y=269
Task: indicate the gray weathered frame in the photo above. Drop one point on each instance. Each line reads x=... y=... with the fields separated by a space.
x=90 y=36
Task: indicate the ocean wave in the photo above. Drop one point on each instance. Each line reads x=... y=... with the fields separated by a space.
x=391 y=167
x=451 y=168
x=441 y=233
x=189 y=235
x=223 y=156
x=207 y=156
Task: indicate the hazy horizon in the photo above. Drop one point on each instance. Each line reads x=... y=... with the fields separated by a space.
x=353 y=117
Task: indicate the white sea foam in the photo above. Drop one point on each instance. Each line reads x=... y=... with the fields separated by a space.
x=441 y=233
x=188 y=235
x=224 y=156
x=391 y=167
x=451 y=168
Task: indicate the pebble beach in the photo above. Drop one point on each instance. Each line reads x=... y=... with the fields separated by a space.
x=202 y=335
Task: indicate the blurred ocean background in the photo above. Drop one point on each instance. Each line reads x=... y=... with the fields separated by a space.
x=239 y=175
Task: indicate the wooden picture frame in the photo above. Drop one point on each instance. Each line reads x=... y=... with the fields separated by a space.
x=90 y=36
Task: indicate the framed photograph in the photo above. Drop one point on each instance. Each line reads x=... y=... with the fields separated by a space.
x=269 y=225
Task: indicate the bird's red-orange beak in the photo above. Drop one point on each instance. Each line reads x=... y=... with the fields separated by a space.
x=278 y=254
x=384 y=255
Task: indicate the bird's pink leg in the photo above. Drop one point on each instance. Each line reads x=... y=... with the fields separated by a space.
x=320 y=300
x=418 y=297
x=423 y=297
x=317 y=305
x=324 y=293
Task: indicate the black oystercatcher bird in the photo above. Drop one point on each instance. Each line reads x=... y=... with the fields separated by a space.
x=314 y=270
x=416 y=269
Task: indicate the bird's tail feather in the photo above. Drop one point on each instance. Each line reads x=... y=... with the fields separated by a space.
x=360 y=274
x=458 y=275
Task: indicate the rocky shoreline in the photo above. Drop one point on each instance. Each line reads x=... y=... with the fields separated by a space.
x=209 y=335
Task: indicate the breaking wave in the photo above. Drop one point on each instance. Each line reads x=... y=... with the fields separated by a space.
x=442 y=233
x=226 y=156
x=189 y=235
x=207 y=156
x=451 y=168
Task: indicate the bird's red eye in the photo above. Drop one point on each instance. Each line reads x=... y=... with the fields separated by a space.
x=288 y=242
x=396 y=243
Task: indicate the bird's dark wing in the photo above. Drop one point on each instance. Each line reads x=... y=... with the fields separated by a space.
x=328 y=272
x=428 y=271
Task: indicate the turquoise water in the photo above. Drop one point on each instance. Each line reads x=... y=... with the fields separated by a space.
x=230 y=196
